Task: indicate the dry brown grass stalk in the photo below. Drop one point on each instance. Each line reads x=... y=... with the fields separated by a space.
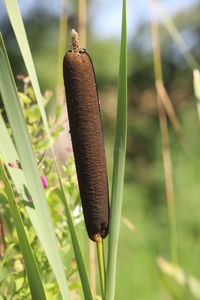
x=163 y=102
x=164 y=97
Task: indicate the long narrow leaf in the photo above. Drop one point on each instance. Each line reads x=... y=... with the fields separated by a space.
x=9 y=154
x=27 y=159
x=76 y=245
x=20 y=33
x=34 y=278
x=119 y=163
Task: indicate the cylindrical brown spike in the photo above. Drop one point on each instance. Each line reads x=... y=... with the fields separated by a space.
x=87 y=140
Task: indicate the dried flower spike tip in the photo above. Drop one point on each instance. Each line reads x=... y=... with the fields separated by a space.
x=75 y=42
x=87 y=138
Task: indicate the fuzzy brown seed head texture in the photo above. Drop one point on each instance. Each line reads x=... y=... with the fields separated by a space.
x=87 y=138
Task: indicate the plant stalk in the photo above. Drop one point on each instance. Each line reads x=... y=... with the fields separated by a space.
x=92 y=266
x=101 y=263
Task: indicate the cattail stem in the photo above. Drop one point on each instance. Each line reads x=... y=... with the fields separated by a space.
x=92 y=265
x=101 y=263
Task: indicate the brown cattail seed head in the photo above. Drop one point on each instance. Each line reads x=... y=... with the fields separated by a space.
x=87 y=138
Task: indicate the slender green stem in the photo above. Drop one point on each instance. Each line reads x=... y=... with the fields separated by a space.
x=101 y=263
x=75 y=242
x=118 y=164
x=92 y=265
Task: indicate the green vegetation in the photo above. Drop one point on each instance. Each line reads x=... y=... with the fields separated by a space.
x=145 y=267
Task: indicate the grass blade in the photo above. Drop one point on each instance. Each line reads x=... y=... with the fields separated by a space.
x=9 y=154
x=20 y=33
x=196 y=83
x=75 y=242
x=34 y=278
x=31 y=172
x=119 y=163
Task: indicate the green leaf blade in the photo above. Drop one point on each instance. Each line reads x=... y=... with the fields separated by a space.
x=34 y=278
x=119 y=164
x=20 y=33
x=30 y=169
x=76 y=245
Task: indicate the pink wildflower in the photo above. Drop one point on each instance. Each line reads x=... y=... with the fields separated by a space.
x=11 y=164
x=44 y=182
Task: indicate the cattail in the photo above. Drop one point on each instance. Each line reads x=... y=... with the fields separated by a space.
x=87 y=138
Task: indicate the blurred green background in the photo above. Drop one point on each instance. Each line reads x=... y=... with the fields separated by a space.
x=147 y=237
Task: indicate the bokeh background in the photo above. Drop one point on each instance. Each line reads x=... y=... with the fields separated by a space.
x=144 y=232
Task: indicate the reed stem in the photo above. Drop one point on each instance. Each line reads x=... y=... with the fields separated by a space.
x=101 y=263
x=92 y=266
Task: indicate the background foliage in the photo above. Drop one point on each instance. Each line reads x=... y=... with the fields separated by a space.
x=144 y=191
